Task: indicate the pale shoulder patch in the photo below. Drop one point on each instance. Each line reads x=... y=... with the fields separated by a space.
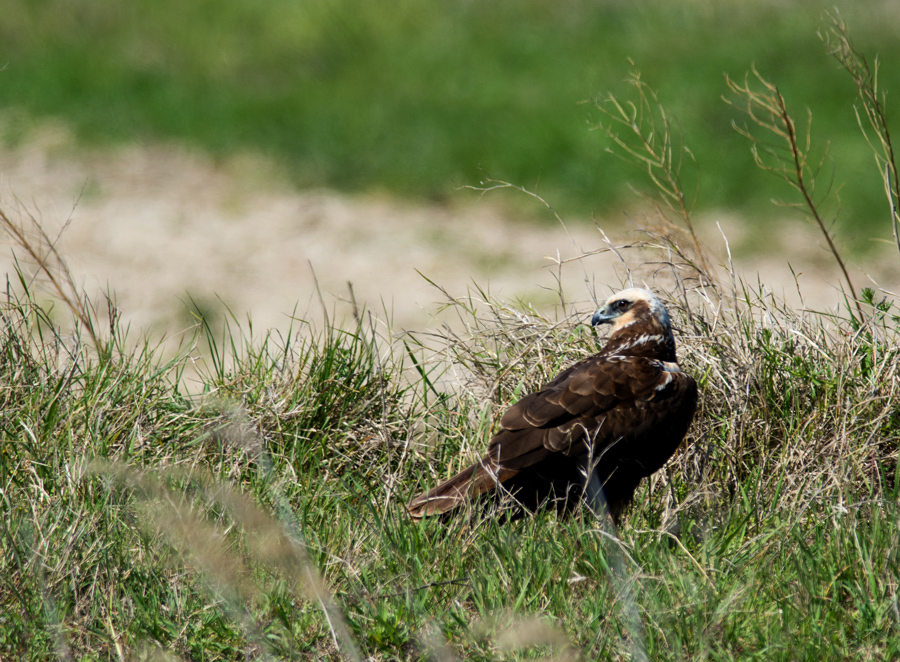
x=666 y=380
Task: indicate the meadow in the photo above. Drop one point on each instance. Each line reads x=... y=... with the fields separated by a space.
x=263 y=517
x=430 y=97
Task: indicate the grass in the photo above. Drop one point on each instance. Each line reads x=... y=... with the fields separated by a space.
x=430 y=97
x=263 y=518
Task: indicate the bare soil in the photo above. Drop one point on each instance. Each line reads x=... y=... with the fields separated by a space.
x=160 y=226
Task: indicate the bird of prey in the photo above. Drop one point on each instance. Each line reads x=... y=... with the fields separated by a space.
x=598 y=428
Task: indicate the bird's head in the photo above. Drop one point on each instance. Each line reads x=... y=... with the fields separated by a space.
x=637 y=311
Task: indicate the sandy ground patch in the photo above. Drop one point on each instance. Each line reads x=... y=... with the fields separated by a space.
x=161 y=225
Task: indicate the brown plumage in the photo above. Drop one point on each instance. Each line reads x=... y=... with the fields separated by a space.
x=617 y=416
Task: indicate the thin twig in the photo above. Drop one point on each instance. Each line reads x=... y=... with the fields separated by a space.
x=799 y=166
x=873 y=102
x=653 y=141
x=768 y=110
x=43 y=252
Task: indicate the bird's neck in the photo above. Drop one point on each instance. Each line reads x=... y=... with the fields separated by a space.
x=640 y=340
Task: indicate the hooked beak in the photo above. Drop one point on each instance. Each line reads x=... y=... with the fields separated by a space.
x=603 y=316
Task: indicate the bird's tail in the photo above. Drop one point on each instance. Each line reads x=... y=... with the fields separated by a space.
x=455 y=492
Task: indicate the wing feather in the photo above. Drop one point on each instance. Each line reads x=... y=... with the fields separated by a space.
x=600 y=399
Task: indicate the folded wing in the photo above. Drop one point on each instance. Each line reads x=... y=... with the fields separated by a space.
x=622 y=416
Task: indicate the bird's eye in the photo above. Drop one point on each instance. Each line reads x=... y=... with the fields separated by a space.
x=621 y=304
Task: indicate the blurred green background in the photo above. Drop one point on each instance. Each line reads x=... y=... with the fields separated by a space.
x=417 y=98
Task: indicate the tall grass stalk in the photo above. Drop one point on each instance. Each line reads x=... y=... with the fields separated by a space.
x=873 y=100
x=789 y=158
